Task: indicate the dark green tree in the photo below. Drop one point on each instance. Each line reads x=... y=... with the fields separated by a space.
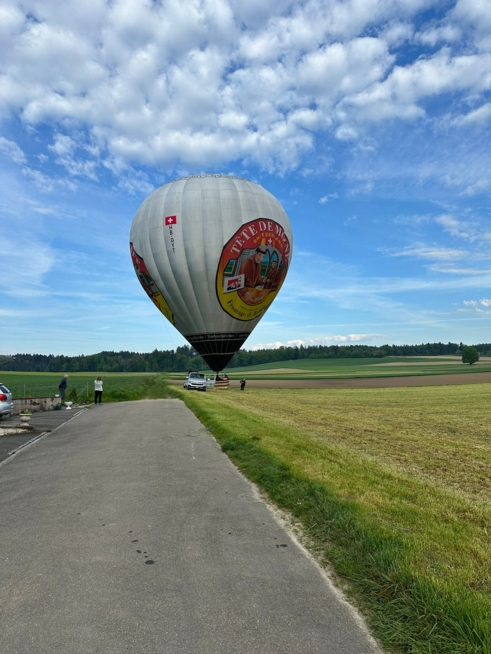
x=470 y=355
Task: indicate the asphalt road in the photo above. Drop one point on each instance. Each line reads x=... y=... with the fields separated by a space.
x=41 y=422
x=128 y=530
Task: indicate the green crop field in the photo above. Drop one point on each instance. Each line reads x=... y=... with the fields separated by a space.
x=327 y=365
x=356 y=368
x=393 y=489
x=117 y=386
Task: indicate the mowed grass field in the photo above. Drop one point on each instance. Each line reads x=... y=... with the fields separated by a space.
x=356 y=368
x=393 y=489
x=117 y=386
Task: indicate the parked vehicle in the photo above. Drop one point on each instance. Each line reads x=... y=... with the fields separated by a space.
x=195 y=381
x=6 y=404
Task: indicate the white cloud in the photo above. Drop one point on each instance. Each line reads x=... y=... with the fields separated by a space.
x=476 y=15
x=477 y=117
x=136 y=182
x=426 y=252
x=346 y=133
x=397 y=33
x=320 y=340
x=453 y=270
x=12 y=150
x=472 y=306
x=204 y=83
x=330 y=196
x=24 y=264
x=404 y=90
x=444 y=33
x=479 y=186
x=45 y=183
x=457 y=228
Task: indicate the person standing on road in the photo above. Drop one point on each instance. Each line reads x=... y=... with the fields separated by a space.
x=98 y=390
x=62 y=387
x=242 y=384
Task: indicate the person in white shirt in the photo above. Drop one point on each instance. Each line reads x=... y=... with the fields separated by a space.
x=98 y=390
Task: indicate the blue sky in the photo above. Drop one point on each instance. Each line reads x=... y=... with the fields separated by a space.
x=368 y=119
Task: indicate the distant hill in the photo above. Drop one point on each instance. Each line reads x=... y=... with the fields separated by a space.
x=186 y=358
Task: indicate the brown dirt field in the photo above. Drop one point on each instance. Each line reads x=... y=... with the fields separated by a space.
x=295 y=371
x=366 y=382
x=421 y=363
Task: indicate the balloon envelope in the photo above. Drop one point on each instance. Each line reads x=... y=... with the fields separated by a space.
x=212 y=252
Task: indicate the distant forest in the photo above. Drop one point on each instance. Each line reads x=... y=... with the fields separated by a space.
x=185 y=358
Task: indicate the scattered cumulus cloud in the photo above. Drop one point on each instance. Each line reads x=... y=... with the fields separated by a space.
x=474 y=306
x=12 y=151
x=207 y=83
x=321 y=340
x=478 y=117
x=330 y=196
x=136 y=182
x=443 y=34
x=46 y=183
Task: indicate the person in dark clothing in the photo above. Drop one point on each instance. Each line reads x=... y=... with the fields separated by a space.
x=62 y=387
x=242 y=384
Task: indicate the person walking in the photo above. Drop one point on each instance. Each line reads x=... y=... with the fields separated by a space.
x=242 y=384
x=62 y=387
x=98 y=390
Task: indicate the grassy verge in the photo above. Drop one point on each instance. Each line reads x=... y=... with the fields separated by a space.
x=392 y=485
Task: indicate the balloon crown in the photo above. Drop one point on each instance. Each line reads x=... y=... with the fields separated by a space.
x=209 y=175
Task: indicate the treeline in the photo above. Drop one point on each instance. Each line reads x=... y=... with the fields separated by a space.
x=185 y=358
x=180 y=360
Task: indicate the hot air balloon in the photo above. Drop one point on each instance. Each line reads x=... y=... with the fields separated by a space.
x=212 y=252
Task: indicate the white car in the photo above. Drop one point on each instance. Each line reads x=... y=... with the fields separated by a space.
x=6 y=404
x=196 y=381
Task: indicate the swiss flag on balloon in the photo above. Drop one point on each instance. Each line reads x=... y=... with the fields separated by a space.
x=171 y=220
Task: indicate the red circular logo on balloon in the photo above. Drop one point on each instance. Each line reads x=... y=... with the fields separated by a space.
x=252 y=268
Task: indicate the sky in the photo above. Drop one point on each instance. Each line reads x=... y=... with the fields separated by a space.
x=369 y=120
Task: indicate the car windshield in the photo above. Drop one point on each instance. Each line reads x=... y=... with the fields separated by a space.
x=4 y=389
x=196 y=375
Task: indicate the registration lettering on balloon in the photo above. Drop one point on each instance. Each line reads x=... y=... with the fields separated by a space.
x=252 y=267
x=150 y=286
x=168 y=222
